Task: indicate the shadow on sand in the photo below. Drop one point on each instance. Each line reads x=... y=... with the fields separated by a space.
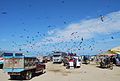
x=18 y=78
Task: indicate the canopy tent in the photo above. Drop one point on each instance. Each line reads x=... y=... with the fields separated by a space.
x=116 y=50
x=107 y=53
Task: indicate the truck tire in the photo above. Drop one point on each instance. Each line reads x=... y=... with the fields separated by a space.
x=28 y=75
x=12 y=77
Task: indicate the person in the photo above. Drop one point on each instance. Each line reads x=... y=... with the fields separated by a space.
x=111 y=62
x=111 y=58
x=85 y=59
x=65 y=61
x=75 y=60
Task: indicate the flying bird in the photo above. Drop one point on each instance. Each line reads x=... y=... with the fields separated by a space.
x=102 y=18
x=112 y=37
x=62 y=1
x=27 y=36
x=20 y=49
x=4 y=13
x=65 y=22
x=82 y=38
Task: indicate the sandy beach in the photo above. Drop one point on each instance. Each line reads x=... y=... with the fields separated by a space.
x=57 y=72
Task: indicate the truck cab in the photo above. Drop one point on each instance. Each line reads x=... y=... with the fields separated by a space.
x=57 y=58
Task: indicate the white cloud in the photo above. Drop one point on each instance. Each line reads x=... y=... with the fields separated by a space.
x=85 y=28
x=50 y=32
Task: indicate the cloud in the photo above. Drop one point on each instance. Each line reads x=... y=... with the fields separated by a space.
x=51 y=32
x=87 y=29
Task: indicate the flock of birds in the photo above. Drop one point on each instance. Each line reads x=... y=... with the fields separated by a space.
x=31 y=41
x=75 y=45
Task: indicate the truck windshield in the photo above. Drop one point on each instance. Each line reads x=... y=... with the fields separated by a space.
x=56 y=55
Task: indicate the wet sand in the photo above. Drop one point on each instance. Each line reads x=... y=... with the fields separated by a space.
x=57 y=72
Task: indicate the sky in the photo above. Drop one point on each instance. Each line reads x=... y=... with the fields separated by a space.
x=43 y=26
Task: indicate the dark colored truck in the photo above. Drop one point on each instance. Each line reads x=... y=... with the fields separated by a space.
x=16 y=64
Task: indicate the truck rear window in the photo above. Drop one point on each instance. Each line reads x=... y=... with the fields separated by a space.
x=18 y=54
x=14 y=63
x=8 y=54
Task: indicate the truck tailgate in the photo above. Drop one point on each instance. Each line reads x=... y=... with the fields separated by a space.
x=13 y=63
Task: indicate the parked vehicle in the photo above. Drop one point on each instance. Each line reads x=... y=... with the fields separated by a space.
x=77 y=62
x=45 y=59
x=117 y=60
x=58 y=57
x=71 y=63
x=86 y=59
x=106 y=62
x=17 y=64
x=74 y=62
x=49 y=58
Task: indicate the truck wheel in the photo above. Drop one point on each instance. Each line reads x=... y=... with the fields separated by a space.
x=28 y=75
x=12 y=77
